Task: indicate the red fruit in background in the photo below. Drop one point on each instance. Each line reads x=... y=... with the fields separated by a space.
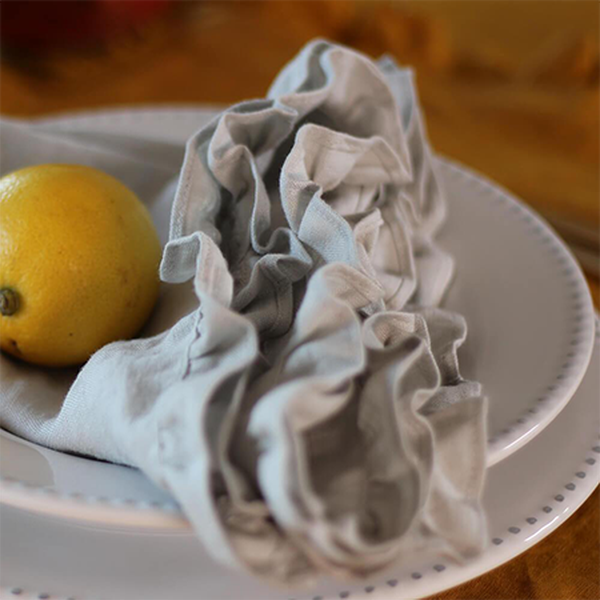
x=41 y=25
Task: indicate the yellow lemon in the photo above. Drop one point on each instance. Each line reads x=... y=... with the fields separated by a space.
x=79 y=260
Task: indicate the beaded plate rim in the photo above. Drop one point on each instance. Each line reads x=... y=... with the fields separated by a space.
x=541 y=410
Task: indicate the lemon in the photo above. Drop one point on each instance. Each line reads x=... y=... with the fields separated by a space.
x=79 y=260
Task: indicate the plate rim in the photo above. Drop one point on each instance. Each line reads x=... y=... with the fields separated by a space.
x=563 y=387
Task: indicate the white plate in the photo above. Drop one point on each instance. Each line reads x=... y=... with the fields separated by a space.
x=526 y=302
x=527 y=496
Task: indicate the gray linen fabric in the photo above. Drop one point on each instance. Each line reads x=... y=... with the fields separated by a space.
x=297 y=389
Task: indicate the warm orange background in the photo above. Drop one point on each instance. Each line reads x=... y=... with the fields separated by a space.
x=509 y=88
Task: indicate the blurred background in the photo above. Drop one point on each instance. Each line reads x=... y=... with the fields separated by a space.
x=509 y=88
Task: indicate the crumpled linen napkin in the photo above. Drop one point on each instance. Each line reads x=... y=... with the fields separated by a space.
x=298 y=388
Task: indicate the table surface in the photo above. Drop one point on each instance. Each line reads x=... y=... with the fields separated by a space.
x=509 y=88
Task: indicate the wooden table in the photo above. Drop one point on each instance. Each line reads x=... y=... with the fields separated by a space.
x=509 y=88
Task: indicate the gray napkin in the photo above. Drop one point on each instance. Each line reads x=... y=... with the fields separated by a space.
x=297 y=389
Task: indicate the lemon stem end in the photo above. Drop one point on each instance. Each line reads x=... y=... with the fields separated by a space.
x=9 y=302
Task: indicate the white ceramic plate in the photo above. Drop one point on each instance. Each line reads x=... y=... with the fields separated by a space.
x=526 y=302
x=527 y=496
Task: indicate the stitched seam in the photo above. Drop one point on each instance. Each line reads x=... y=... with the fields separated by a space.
x=188 y=355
